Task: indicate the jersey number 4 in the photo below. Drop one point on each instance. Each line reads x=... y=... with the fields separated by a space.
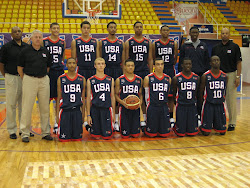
x=112 y=57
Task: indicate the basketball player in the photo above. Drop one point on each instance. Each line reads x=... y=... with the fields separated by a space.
x=100 y=102
x=112 y=50
x=85 y=50
x=186 y=85
x=157 y=87
x=213 y=89
x=56 y=47
x=71 y=96
x=125 y=85
x=167 y=49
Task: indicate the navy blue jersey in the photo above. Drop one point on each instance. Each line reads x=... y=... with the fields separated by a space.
x=101 y=91
x=158 y=89
x=112 y=52
x=71 y=91
x=86 y=52
x=166 y=52
x=56 y=49
x=215 y=88
x=186 y=88
x=129 y=87
x=138 y=52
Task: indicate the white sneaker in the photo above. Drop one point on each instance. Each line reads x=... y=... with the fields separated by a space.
x=172 y=121
x=199 y=120
x=55 y=129
x=116 y=127
x=143 y=125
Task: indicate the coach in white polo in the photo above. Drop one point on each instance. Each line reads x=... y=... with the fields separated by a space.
x=33 y=66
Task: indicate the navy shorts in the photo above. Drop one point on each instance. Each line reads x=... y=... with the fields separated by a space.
x=86 y=73
x=186 y=120
x=170 y=72
x=102 y=122
x=53 y=77
x=213 y=116
x=113 y=72
x=157 y=121
x=129 y=122
x=70 y=125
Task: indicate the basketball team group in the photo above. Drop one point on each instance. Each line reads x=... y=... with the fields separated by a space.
x=114 y=86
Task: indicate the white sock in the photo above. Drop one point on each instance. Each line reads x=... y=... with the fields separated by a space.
x=145 y=117
x=116 y=117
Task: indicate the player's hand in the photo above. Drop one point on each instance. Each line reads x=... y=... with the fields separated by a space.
x=124 y=104
x=237 y=82
x=89 y=120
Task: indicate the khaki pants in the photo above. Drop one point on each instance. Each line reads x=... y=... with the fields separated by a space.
x=32 y=88
x=13 y=85
x=231 y=97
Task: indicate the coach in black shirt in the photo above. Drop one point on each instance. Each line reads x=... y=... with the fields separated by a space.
x=33 y=66
x=13 y=82
x=230 y=57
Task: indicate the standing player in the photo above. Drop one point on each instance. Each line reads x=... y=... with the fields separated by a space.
x=125 y=85
x=56 y=47
x=167 y=49
x=157 y=87
x=213 y=89
x=100 y=102
x=186 y=85
x=71 y=96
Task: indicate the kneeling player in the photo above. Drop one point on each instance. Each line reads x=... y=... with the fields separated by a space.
x=100 y=102
x=157 y=87
x=71 y=95
x=213 y=89
x=125 y=85
x=186 y=85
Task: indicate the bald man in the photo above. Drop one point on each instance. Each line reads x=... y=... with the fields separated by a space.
x=230 y=57
x=13 y=82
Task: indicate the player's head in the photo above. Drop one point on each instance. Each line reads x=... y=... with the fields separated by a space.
x=225 y=34
x=158 y=65
x=100 y=64
x=36 y=37
x=187 y=64
x=85 y=28
x=71 y=64
x=16 y=33
x=164 y=31
x=215 y=62
x=111 y=27
x=138 y=28
x=54 y=29
x=129 y=66
x=194 y=33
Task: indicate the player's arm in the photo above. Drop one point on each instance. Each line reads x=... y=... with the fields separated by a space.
x=123 y=55
x=63 y=57
x=113 y=99
x=100 y=48
x=202 y=88
x=153 y=50
x=73 y=49
x=98 y=54
x=59 y=96
x=88 y=103
x=174 y=86
x=140 y=93
x=126 y=50
x=150 y=58
x=146 y=87
x=175 y=52
x=117 y=90
x=83 y=99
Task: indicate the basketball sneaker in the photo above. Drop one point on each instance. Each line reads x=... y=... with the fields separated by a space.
x=55 y=129
x=231 y=127
x=143 y=126
x=172 y=122
x=116 y=127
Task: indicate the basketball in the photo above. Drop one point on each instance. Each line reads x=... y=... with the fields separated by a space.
x=132 y=101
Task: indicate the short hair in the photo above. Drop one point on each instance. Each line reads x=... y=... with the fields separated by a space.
x=214 y=56
x=164 y=26
x=157 y=59
x=36 y=31
x=187 y=59
x=194 y=27
x=69 y=59
x=52 y=24
x=85 y=22
x=110 y=23
x=99 y=59
x=128 y=60
x=137 y=23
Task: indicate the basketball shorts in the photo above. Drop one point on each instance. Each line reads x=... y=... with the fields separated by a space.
x=70 y=125
x=213 y=116
x=113 y=72
x=170 y=71
x=86 y=73
x=157 y=121
x=129 y=122
x=186 y=120
x=53 y=76
x=102 y=122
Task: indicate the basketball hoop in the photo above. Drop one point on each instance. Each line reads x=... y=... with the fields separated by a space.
x=93 y=16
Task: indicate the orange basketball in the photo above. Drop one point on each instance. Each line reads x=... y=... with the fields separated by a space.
x=132 y=101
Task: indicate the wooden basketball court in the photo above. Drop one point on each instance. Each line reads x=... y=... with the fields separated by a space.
x=213 y=161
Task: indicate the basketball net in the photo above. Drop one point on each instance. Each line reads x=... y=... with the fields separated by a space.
x=93 y=16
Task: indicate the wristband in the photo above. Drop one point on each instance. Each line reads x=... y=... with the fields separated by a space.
x=88 y=115
x=237 y=76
